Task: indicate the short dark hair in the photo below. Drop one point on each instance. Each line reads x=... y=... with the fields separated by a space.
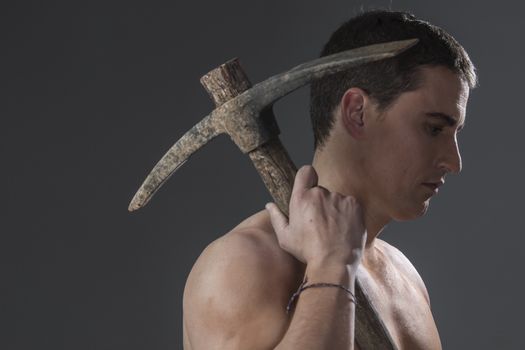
x=384 y=80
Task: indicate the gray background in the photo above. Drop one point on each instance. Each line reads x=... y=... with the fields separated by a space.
x=93 y=93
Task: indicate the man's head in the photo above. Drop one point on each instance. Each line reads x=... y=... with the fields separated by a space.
x=385 y=129
x=384 y=80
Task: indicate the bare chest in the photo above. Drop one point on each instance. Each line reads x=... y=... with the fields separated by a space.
x=403 y=309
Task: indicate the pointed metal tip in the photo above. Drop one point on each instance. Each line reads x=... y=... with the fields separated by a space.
x=407 y=44
x=394 y=48
x=132 y=207
x=138 y=201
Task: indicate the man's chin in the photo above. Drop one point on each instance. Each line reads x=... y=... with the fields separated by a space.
x=412 y=213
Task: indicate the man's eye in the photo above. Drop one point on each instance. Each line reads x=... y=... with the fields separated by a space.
x=435 y=130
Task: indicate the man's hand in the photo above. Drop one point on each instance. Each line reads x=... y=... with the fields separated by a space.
x=238 y=290
x=323 y=227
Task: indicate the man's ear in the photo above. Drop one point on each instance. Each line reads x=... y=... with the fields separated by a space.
x=352 y=112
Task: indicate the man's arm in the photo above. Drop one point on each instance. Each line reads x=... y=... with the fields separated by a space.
x=324 y=317
x=234 y=297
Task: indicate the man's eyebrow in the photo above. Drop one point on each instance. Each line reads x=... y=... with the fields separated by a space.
x=451 y=121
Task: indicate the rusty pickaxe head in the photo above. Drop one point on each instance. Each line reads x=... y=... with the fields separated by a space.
x=243 y=117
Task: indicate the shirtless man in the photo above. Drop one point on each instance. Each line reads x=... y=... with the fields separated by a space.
x=386 y=136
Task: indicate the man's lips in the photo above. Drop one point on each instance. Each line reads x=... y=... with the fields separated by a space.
x=434 y=185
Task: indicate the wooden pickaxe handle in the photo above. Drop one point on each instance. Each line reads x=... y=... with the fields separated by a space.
x=277 y=171
x=271 y=159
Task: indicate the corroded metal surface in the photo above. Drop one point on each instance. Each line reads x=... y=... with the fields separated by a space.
x=176 y=156
x=239 y=116
x=272 y=89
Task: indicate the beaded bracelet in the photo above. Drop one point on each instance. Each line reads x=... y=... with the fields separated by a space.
x=303 y=286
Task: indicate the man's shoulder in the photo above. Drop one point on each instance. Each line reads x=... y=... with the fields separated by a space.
x=240 y=283
x=248 y=256
x=250 y=245
x=404 y=266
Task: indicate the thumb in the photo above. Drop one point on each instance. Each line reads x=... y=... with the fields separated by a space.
x=279 y=220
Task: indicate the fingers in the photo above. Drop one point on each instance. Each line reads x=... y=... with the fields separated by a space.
x=305 y=179
x=278 y=219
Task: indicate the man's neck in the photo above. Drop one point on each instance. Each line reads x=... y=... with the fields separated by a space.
x=330 y=177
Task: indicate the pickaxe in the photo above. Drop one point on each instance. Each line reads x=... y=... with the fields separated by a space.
x=245 y=114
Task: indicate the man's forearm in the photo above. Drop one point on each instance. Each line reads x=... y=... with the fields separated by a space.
x=324 y=317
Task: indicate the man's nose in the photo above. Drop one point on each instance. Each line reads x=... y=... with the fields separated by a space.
x=451 y=157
